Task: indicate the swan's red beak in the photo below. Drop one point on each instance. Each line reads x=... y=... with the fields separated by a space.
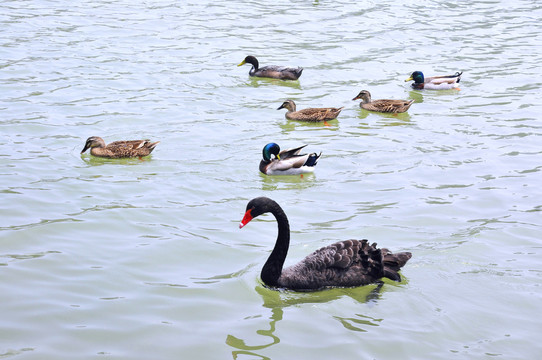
x=246 y=218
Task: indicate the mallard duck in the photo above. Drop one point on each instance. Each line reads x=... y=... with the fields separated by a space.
x=271 y=71
x=345 y=263
x=383 y=105
x=309 y=114
x=119 y=149
x=443 y=82
x=286 y=162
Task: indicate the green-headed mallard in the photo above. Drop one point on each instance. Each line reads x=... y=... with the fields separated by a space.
x=271 y=71
x=383 y=105
x=443 y=82
x=345 y=263
x=287 y=162
x=119 y=149
x=309 y=114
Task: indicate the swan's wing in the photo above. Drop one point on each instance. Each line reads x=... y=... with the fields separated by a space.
x=344 y=254
x=346 y=263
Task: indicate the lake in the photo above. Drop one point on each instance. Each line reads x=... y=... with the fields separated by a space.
x=144 y=258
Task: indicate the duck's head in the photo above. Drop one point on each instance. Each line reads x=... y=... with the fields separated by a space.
x=417 y=76
x=92 y=142
x=364 y=95
x=270 y=149
x=288 y=104
x=250 y=60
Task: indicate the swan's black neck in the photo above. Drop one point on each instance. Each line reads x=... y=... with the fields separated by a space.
x=273 y=266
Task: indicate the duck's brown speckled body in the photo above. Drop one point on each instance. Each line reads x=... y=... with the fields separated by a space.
x=309 y=114
x=119 y=149
x=383 y=105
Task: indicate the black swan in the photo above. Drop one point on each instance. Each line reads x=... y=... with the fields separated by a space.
x=346 y=263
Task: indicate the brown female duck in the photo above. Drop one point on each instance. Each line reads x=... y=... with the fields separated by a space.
x=384 y=105
x=119 y=149
x=309 y=114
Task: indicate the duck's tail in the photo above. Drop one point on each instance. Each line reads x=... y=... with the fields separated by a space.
x=313 y=159
x=151 y=146
x=393 y=263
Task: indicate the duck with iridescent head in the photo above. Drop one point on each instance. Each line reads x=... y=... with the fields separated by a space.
x=442 y=82
x=287 y=162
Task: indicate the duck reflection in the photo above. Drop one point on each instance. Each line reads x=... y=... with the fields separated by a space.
x=416 y=95
x=400 y=118
x=291 y=125
x=285 y=182
x=98 y=161
x=260 y=81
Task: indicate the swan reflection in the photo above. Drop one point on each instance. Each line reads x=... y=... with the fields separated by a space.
x=276 y=301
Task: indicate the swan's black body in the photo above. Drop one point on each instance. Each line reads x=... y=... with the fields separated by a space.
x=346 y=263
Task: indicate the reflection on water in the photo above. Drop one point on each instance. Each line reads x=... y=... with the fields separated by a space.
x=417 y=95
x=277 y=300
x=258 y=82
x=289 y=126
x=269 y=338
x=285 y=182
x=97 y=161
x=455 y=180
x=401 y=118
x=357 y=323
x=283 y=298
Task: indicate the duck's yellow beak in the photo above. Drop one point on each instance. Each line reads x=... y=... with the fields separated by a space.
x=278 y=156
x=242 y=63
x=409 y=79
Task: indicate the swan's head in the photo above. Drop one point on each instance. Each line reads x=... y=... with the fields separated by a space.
x=417 y=76
x=255 y=208
x=270 y=149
